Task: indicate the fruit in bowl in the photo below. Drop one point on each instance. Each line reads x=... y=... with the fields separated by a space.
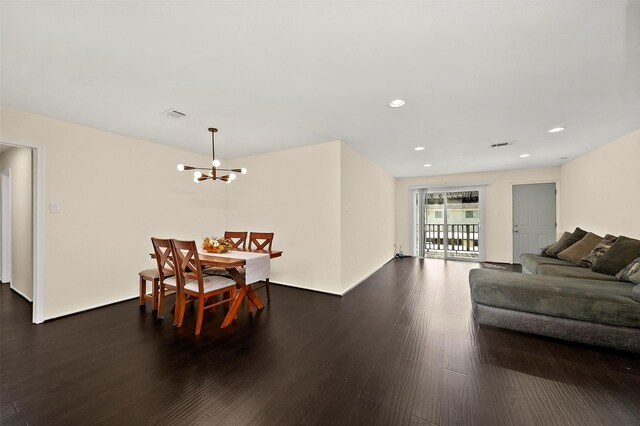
x=216 y=245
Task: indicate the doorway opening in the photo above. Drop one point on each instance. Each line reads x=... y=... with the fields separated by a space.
x=21 y=193
x=448 y=223
x=5 y=228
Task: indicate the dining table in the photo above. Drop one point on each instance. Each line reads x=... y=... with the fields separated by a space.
x=232 y=265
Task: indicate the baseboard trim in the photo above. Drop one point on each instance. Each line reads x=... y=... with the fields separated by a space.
x=90 y=308
x=304 y=288
x=365 y=277
x=331 y=292
x=21 y=294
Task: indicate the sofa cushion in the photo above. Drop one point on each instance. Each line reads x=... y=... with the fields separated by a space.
x=636 y=292
x=635 y=278
x=621 y=253
x=573 y=272
x=559 y=245
x=598 y=251
x=604 y=302
x=629 y=270
x=531 y=262
x=576 y=252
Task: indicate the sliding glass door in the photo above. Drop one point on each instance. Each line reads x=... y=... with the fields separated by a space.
x=448 y=224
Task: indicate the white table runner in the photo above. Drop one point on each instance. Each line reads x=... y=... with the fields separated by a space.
x=257 y=267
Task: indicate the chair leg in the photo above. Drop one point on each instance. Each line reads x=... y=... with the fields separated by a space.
x=175 y=312
x=160 y=302
x=200 y=315
x=154 y=295
x=268 y=291
x=181 y=305
x=143 y=291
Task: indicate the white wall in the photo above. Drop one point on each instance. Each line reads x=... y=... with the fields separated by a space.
x=294 y=193
x=601 y=189
x=367 y=216
x=331 y=209
x=19 y=161
x=498 y=204
x=114 y=193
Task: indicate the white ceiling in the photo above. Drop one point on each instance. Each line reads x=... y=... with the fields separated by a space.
x=274 y=75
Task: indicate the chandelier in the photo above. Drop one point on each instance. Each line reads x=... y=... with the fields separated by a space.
x=213 y=173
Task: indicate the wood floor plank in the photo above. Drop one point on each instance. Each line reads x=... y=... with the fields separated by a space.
x=456 y=403
x=427 y=401
x=416 y=421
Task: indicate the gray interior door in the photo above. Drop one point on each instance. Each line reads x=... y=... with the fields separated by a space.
x=534 y=218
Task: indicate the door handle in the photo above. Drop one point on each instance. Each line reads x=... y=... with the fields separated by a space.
x=515 y=228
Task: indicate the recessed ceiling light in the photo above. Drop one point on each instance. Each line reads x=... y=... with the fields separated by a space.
x=418 y=148
x=525 y=155
x=396 y=103
x=556 y=129
x=427 y=165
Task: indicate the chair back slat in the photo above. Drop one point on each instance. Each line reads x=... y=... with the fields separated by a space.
x=163 y=251
x=188 y=263
x=260 y=240
x=238 y=239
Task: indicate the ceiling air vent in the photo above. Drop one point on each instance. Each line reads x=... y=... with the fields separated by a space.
x=501 y=144
x=173 y=113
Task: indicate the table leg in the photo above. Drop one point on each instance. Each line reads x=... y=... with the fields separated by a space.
x=240 y=283
x=233 y=309
x=243 y=290
x=253 y=297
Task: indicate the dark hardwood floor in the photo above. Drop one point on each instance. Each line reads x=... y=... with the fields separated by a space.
x=399 y=349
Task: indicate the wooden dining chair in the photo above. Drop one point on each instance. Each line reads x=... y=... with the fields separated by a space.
x=193 y=286
x=152 y=276
x=239 y=242
x=262 y=241
x=238 y=239
x=163 y=250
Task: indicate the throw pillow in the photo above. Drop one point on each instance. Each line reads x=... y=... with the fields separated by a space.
x=576 y=252
x=543 y=252
x=629 y=270
x=598 y=251
x=621 y=253
x=560 y=246
x=635 y=293
x=635 y=278
x=562 y=239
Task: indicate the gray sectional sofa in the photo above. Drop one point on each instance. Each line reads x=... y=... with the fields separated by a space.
x=559 y=299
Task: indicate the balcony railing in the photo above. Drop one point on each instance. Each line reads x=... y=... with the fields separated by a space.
x=462 y=238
